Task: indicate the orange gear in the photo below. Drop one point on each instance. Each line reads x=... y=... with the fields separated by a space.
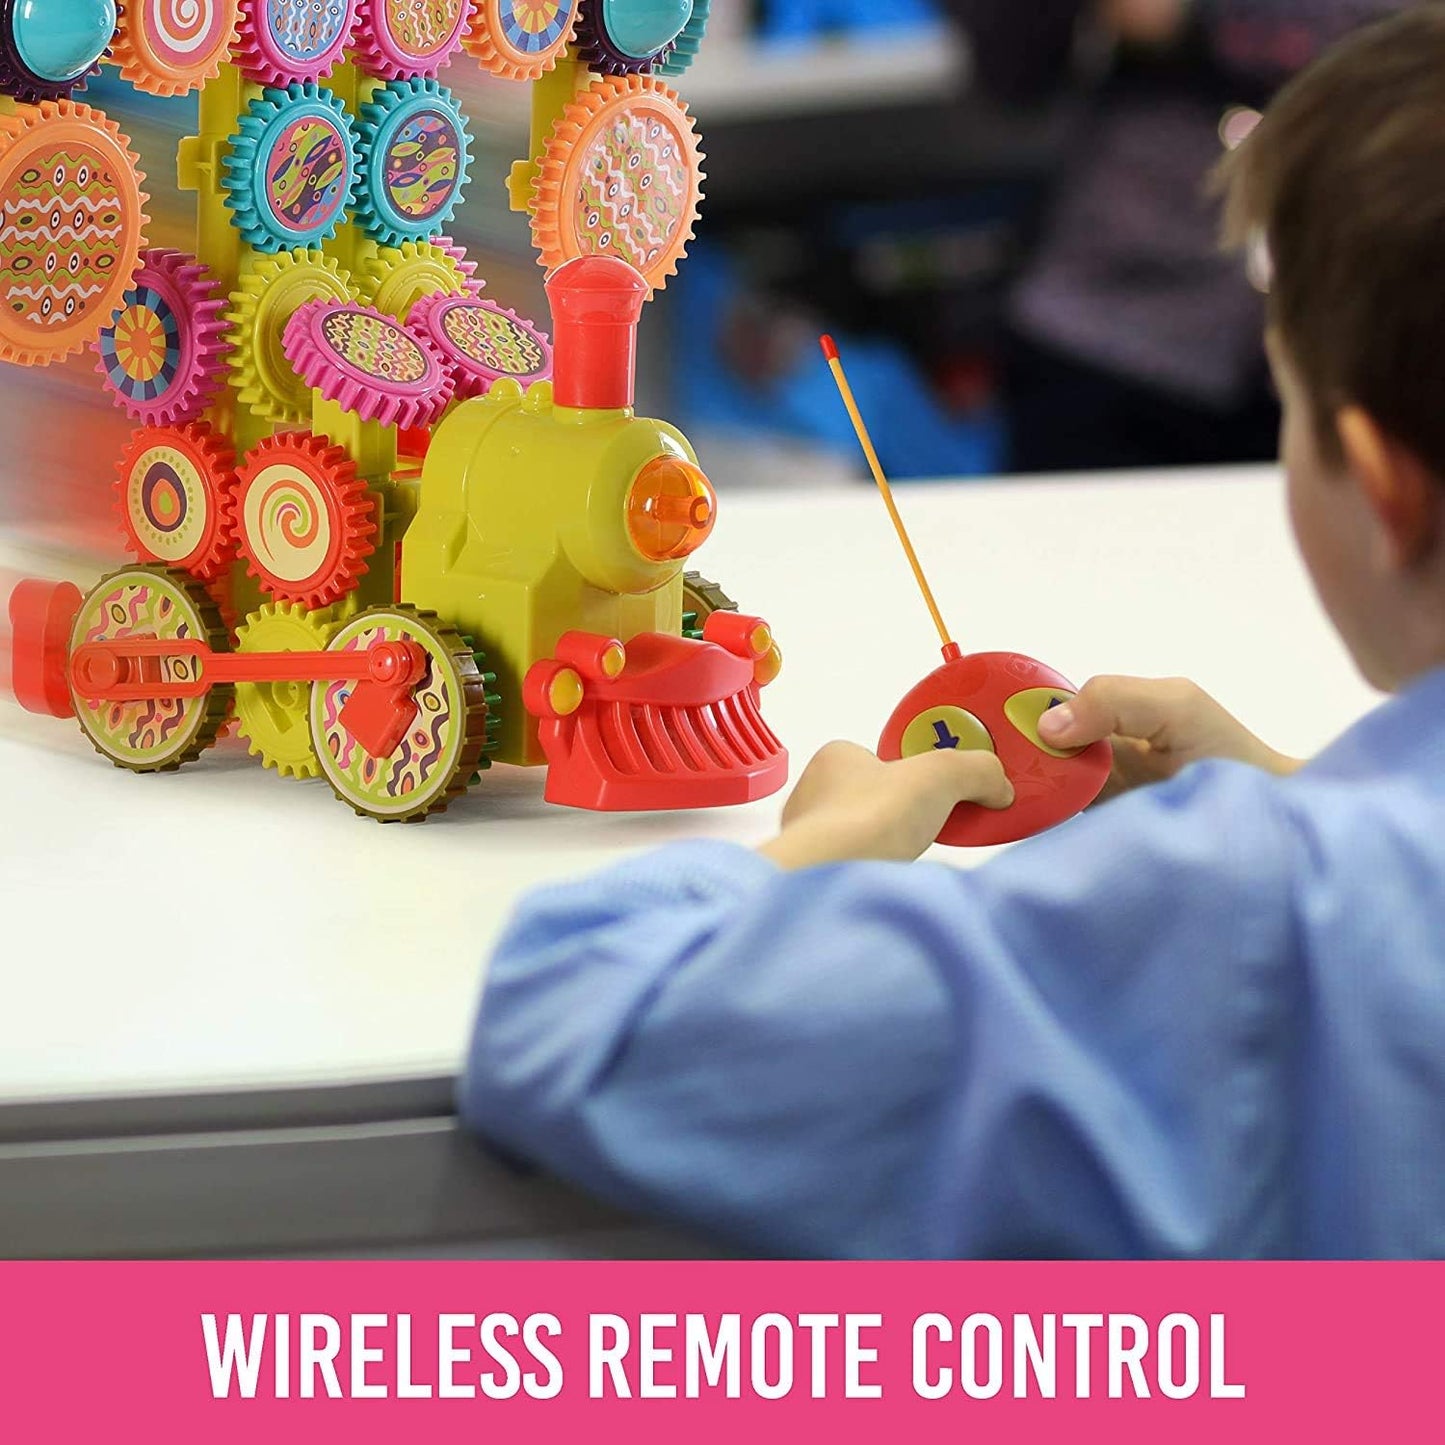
x=500 y=26
x=307 y=522
x=168 y=49
x=621 y=176
x=177 y=498
x=71 y=191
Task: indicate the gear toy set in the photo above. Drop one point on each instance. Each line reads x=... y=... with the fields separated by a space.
x=385 y=529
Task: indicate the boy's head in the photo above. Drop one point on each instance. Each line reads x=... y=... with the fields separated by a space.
x=1344 y=182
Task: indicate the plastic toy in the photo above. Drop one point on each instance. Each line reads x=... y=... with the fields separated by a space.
x=988 y=700
x=386 y=528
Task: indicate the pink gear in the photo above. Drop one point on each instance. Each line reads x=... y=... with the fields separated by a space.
x=368 y=363
x=481 y=342
x=163 y=356
x=275 y=43
x=396 y=41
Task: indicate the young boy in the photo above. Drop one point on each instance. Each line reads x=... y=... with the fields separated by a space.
x=1205 y=1019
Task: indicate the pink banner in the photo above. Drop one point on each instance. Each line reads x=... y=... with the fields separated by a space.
x=701 y=1352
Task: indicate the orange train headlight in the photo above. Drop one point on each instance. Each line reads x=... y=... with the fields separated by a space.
x=671 y=508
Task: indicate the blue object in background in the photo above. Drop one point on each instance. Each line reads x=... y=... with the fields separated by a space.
x=914 y=435
x=792 y=18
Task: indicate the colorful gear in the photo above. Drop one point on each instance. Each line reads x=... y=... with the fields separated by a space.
x=290 y=172
x=281 y=41
x=72 y=224
x=170 y=47
x=684 y=52
x=163 y=356
x=620 y=37
x=397 y=277
x=307 y=522
x=443 y=749
x=621 y=176
x=369 y=364
x=274 y=717
x=521 y=39
x=701 y=597
x=414 y=151
x=158 y=735
x=480 y=342
x=177 y=498
x=273 y=289
x=46 y=51
x=400 y=38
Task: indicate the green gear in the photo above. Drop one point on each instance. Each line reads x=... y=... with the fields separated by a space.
x=274 y=717
x=701 y=597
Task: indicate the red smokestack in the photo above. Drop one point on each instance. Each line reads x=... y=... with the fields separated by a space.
x=596 y=304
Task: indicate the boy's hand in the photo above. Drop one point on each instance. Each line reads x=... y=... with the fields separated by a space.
x=849 y=805
x=1158 y=726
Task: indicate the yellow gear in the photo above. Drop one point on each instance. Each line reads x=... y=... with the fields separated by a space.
x=395 y=278
x=270 y=292
x=274 y=717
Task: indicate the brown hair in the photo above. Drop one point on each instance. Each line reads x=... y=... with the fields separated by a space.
x=1344 y=180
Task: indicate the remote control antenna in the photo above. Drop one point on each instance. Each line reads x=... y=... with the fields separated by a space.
x=951 y=649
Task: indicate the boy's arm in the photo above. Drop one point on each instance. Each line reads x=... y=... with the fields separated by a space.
x=1080 y=1048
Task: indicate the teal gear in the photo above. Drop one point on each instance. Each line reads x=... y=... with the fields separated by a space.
x=684 y=50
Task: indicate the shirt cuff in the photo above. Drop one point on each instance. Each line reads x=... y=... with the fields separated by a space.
x=699 y=871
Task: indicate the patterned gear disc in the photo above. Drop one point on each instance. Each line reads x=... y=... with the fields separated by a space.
x=270 y=293
x=163 y=356
x=521 y=39
x=169 y=47
x=177 y=498
x=615 y=37
x=701 y=597
x=443 y=749
x=290 y=171
x=621 y=176
x=45 y=55
x=159 y=735
x=285 y=40
x=400 y=38
x=397 y=277
x=307 y=522
x=414 y=153
x=274 y=717
x=369 y=364
x=72 y=224
x=481 y=343
x=690 y=41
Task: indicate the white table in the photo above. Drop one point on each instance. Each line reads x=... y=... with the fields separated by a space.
x=222 y=929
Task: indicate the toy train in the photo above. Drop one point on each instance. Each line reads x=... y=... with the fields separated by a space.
x=474 y=550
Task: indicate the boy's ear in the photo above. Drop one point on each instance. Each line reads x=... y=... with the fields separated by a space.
x=1398 y=487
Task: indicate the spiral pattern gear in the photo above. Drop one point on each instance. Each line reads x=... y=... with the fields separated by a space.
x=397 y=277
x=621 y=176
x=274 y=717
x=414 y=154
x=684 y=52
x=41 y=61
x=397 y=39
x=481 y=342
x=160 y=734
x=369 y=364
x=290 y=169
x=163 y=356
x=444 y=747
x=281 y=41
x=521 y=39
x=600 y=49
x=273 y=289
x=72 y=226
x=176 y=498
x=170 y=47
x=307 y=523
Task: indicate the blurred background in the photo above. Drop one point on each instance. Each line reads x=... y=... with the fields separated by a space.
x=999 y=207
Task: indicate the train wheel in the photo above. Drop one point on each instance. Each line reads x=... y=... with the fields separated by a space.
x=444 y=745
x=275 y=717
x=701 y=597
x=157 y=735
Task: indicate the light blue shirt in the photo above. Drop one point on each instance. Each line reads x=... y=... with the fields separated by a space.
x=1206 y=1019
